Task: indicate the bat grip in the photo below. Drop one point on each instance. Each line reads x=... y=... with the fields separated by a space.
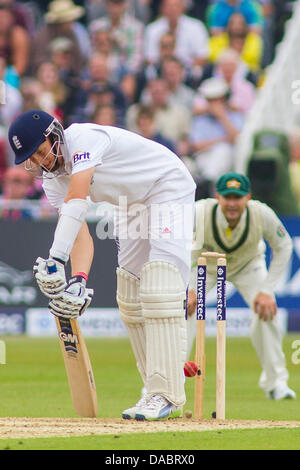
x=51 y=267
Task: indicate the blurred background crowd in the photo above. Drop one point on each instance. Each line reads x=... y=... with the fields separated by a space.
x=184 y=73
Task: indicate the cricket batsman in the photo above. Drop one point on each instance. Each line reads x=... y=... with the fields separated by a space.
x=103 y=163
x=236 y=225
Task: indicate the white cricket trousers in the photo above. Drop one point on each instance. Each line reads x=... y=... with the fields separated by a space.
x=266 y=336
x=157 y=231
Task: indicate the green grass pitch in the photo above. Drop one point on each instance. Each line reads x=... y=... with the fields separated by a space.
x=33 y=384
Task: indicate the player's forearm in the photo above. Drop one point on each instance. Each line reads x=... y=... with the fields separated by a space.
x=277 y=267
x=72 y=216
x=281 y=244
x=82 y=252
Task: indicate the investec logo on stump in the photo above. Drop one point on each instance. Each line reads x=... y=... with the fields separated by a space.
x=221 y=307
x=201 y=292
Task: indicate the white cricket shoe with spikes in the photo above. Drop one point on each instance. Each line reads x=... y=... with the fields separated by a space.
x=282 y=392
x=130 y=413
x=157 y=408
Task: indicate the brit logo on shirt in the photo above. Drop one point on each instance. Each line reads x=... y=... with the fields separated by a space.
x=80 y=157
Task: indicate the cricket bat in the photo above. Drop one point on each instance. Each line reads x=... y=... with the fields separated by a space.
x=77 y=362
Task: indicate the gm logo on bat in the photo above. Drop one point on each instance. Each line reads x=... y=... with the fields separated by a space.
x=73 y=339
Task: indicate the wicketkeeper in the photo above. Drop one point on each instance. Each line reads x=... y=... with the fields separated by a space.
x=105 y=163
x=234 y=224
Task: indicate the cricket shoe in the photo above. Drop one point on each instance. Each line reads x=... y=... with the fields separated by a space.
x=130 y=413
x=157 y=408
x=282 y=392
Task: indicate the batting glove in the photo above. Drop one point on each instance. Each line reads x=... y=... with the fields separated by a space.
x=51 y=285
x=73 y=301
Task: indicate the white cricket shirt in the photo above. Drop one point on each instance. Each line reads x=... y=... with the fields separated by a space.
x=126 y=164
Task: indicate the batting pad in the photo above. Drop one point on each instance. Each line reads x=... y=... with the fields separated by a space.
x=163 y=298
x=128 y=299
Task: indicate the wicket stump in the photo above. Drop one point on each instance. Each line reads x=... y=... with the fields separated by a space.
x=200 y=358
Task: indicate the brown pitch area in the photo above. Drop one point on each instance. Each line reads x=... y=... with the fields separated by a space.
x=66 y=427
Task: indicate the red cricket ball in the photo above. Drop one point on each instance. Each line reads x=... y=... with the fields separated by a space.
x=190 y=369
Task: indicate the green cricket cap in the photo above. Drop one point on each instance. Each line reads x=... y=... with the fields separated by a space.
x=233 y=183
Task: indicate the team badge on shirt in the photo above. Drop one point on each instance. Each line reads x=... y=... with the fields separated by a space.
x=80 y=157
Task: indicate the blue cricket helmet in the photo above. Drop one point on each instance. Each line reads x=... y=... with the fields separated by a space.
x=28 y=132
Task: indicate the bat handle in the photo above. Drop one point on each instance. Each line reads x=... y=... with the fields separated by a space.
x=51 y=267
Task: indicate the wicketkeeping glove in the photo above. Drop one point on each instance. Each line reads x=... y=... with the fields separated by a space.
x=73 y=301
x=51 y=285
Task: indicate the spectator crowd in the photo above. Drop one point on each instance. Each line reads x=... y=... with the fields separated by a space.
x=183 y=73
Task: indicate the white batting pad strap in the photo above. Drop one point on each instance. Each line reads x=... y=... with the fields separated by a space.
x=72 y=216
x=161 y=283
x=162 y=295
x=128 y=294
x=129 y=303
